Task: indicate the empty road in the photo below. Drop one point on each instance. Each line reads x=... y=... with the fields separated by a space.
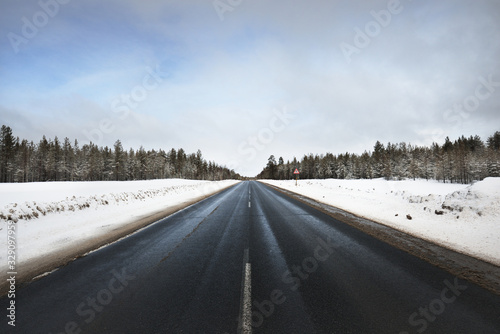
x=250 y=259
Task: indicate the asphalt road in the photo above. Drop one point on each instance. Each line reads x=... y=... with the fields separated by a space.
x=251 y=258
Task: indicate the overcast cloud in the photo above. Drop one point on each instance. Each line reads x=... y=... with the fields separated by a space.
x=242 y=80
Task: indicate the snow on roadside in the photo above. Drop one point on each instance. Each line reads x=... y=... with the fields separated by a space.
x=25 y=201
x=52 y=215
x=465 y=218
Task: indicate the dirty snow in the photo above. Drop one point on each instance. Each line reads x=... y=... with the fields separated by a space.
x=465 y=218
x=52 y=215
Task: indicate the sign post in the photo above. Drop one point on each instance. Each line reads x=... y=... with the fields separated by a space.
x=296 y=172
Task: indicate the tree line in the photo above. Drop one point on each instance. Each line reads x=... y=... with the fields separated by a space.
x=55 y=160
x=461 y=161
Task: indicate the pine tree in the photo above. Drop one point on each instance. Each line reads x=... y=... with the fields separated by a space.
x=271 y=167
x=493 y=155
x=119 y=162
x=22 y=162
x=181 y=162
x=7 y=153
x=68 y=156
x=378 y=158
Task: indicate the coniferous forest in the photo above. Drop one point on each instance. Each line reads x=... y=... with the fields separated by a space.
x=462 y=161
x=55 y=160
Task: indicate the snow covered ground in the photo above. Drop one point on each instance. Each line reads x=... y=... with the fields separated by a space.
x=51 y=216
x=465 y=218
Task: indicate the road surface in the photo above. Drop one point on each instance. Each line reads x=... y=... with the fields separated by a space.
x=251 y=259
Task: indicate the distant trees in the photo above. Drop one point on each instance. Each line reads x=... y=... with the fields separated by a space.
x=463 y=161
x=53 y=160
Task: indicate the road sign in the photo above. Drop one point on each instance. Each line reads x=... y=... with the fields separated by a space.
x=296 y=171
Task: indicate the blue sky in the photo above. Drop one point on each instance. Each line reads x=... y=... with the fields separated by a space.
x=270 y=77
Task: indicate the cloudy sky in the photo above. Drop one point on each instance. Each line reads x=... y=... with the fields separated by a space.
x=242 y=79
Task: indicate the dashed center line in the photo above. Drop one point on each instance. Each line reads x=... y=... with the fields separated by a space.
x=245 y=326
x=247 y=300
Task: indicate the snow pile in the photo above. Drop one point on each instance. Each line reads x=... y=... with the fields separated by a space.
x=465 y=218
x=52 y=216
x=48 y=198
x=482 y=198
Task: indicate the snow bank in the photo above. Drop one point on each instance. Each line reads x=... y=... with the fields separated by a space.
x=51 y=216
x=465 y=218
x=26 y=201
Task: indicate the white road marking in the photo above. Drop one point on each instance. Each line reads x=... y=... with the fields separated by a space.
x=245 y=322
x=247 y=300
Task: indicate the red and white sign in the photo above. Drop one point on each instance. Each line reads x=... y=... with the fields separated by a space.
x=296 y=171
